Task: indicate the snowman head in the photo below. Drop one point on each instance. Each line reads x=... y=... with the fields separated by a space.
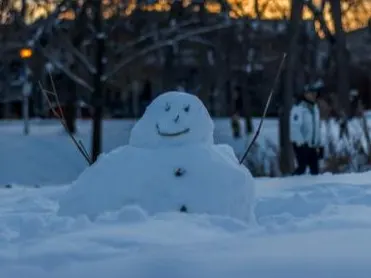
x=173 y=119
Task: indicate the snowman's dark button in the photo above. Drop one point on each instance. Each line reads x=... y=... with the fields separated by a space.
x=179 y=172
x=183 y=208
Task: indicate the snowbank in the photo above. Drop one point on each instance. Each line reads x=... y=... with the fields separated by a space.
x=47 y=156
x=304 y=230
x=33 y=159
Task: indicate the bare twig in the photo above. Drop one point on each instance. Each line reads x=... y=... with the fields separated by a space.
x=56 y=97
x=62 y=119
x=162 y=32
x=161 y=44
x=66 y=71
x=265 y=108
x=318 y=16
x=35 y=42
x=80 y=56
x=83 y=148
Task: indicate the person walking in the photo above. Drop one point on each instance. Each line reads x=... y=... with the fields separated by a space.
x=305 y=133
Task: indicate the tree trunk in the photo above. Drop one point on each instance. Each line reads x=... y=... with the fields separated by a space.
x=286 y=155
x=341 y=54
x=249 y=124
x=24 y=9
x=168 y=78
x=249 y=128
x=98 y=86
x=70 y=107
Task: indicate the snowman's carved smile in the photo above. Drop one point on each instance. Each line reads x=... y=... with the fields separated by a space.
x=171 y=134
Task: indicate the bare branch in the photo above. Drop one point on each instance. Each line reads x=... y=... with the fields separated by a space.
x=264 y=7
x=164 y=32
x=202 y=41
x=35 y=42
x=257 y=10
x=52 y=18
x=61 y=118
x=81 y=57
x=168 y=42
x=318 y=15
x=116 y=18
x=85 y=151
x=65 y=70
x=208 y=43
x=54 y=93
x=265 y=108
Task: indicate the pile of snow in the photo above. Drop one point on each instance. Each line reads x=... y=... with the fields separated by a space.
x=307 y=227
x=170 y=164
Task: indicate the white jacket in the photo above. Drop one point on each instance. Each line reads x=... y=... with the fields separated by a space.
x=305 y=124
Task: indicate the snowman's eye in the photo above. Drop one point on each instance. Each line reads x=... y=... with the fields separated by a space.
x=167 y=107
x=186 y=108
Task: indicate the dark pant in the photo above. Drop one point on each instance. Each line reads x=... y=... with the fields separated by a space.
x=306 y=157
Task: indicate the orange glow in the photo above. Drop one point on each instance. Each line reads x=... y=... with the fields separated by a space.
x=25 y=53
x=159 y=6
x=67 y=15
x=213 y=7
x=355 y=15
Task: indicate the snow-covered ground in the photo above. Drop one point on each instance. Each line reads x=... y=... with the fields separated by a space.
x=48 y=156
x=306 y=226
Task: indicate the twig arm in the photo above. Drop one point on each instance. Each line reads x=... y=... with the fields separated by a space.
x=265 y=108
x=61 y=118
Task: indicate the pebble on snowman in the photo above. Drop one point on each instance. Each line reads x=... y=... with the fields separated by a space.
x=170 y=164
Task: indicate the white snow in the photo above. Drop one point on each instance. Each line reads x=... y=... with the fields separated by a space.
x=47 y=155
x=211 y=183
x=320 y=229
x=306 y=226
x=173 y=119
x=165 y=173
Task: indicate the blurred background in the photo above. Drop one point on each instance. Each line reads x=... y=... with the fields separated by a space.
x=108 y=59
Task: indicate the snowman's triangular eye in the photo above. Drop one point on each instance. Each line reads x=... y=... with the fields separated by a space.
x=186 y=108
x=167 y=107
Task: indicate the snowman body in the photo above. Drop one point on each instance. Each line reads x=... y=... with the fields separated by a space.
x=170 y=164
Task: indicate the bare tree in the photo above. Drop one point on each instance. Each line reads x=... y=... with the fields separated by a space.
x=336 y=42
x=288 y=91
x=342 y=57
x=96 y=32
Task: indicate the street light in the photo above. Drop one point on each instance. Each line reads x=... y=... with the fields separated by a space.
x=26 y=91
x=25 y=53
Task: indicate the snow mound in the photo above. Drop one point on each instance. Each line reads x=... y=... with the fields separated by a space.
x=330 y=222
x=171 y=164
x=207 y=182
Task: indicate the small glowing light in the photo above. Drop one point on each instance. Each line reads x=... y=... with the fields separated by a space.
x=25 y=53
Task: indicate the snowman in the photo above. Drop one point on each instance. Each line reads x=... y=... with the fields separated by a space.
x=170 y=164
